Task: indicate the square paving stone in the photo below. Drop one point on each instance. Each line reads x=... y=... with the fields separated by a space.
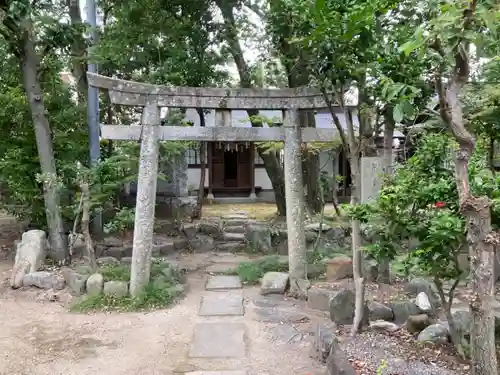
x=216 y=373
x=223 y=282
x=218 y=340
x=220 y=303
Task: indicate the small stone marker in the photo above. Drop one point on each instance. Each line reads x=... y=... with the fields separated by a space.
x=219 y=303
x=218 y=340
x=223 y=282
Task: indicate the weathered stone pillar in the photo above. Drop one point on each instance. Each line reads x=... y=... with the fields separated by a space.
x=146 y=200
x=252 y=196
x=294 y=190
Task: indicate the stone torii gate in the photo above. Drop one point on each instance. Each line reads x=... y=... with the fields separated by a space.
x=153 y=97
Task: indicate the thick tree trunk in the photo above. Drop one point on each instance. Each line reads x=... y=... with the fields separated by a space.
x=384 y=275
x=29 y=71
x=272 y=165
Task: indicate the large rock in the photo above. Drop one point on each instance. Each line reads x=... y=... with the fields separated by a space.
x=435 y=333
x=258 y=237
x=382 y=325
x=274 y=283
x=337 y=362
x=30 y=254
x=116 y=288
x=417 y=323
x=95 y=284
x=342 y=307
x=43 y=280
x=75 y=281
x=339 y=268
x=379 y=311
x=424 y=304
x=403 y=310
x=319 y=298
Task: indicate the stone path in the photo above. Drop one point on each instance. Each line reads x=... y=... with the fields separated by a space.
x=220 y=338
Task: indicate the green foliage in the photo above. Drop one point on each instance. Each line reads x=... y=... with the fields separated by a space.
x=420 y=202
x=122 y=221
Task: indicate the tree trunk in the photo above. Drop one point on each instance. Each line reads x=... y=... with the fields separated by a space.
x=29 y=71
x=384 y=274
x=78 y=50
x=203 y=167
x=272 y=164
x=357 y=255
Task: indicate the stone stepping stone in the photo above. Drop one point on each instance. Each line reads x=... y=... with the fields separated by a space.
x=223 y=282
x=218 y=340
x=221 y=304
x=216 y=373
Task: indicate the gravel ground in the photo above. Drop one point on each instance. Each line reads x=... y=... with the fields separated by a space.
x=368 y=349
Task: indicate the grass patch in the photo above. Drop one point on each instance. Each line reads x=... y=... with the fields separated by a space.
x=162 y=290
x=252 y=271
x=154 y=296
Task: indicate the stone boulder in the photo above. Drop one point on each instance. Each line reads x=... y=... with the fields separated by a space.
x=424 y=304
x=116 y=288
x=30 y=255
x=435 y=333
x=382 y=325
x=403 y=310
x=379 y=311
x=338 y=268
x=417 y=323
x=342 y=306
x=95 y=284
x=43 y=280
x=319 y=298
x=75 y=281
x=258 y=237
x=274 y=283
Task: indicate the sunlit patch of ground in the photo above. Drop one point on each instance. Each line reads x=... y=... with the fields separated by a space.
x=258 y=211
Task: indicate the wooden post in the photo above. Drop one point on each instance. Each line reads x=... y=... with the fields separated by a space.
x=294 y=190
x=252 y=172
x=146 y=200
x=210 y=195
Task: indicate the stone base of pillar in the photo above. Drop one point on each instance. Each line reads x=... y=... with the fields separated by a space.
x=210 y=196
x=252 y=196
